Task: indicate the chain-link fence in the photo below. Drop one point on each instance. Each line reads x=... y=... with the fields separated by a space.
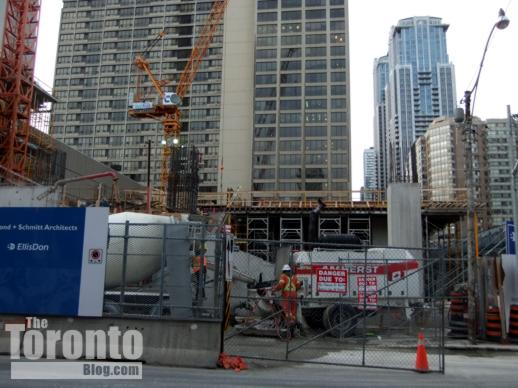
x=168 y=271
x=354 y=305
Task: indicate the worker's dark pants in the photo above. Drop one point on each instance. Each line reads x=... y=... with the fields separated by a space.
x=199 y=282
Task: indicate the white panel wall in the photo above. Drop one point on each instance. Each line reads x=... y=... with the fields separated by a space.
x=237 y=96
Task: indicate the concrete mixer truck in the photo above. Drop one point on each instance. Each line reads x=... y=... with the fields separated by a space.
x=134 y=261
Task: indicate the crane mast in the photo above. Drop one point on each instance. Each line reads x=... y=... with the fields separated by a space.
x=167 y=110
x=17 y=58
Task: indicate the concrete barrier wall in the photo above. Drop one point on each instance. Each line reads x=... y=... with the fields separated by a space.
x=173 y=343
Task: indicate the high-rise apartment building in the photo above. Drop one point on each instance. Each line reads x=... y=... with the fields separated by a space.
x=498 y=160
x=370 y=183
x=269 y=108
x=302 y=117
x=420 y=87
x=441 y=164
x=95 y=77
x=381 y=72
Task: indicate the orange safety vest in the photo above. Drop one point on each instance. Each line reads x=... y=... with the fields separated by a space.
x=196 y=263
x=288 y=284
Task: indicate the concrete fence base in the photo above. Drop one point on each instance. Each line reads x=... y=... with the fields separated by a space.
x=174 y=343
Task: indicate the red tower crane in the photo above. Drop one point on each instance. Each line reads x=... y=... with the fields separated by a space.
x=17 y=58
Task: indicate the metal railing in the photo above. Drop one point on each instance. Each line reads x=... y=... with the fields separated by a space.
x=362 y=306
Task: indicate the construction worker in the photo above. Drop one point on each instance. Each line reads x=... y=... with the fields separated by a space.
x=288 y=285
x=199 y=271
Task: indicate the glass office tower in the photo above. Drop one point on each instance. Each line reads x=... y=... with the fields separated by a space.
x=421 y=87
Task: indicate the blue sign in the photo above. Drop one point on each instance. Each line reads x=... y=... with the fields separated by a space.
x=46 y=257
x=510 y=238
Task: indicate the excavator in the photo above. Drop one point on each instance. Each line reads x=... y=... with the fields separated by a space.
x=167 y=107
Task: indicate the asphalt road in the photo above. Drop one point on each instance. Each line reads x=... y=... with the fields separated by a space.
x=491 y=370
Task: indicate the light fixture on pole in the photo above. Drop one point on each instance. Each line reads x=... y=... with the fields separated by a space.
x=469 y=106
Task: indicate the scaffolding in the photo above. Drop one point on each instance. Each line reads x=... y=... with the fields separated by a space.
x=257 y=229
x=329 y=225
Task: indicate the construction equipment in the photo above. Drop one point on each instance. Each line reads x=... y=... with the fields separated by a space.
x=167 y=109
x=17 y=60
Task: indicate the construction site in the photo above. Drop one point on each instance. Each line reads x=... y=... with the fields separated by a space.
x=195 y=272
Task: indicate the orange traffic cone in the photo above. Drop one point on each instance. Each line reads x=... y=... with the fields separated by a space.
x=421 y=361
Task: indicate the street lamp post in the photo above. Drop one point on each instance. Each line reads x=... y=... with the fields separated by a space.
x=513 y=164
x=469 y=105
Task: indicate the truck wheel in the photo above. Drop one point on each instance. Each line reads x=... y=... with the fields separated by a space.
x=313 y=317
x=340 y=318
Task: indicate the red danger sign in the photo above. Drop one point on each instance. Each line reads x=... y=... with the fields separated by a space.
x=367 y=292
x=331 y=280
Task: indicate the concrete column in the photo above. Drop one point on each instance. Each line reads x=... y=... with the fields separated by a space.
x=404 y=215
x=179 y=268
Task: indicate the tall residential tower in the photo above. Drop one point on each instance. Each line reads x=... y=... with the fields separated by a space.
x=420 y=87
x=269 y=108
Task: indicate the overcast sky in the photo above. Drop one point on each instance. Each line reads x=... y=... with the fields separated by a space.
x=370 y=21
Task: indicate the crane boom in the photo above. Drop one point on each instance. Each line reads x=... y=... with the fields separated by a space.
x=201 y=47
x=168 y=108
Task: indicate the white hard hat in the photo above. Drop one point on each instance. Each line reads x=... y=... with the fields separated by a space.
x=286 y=268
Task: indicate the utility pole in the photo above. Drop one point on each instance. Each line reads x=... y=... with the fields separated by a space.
x=502 y=23
x=470 y=211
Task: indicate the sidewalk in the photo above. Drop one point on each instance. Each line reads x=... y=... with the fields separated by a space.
x=464 y=344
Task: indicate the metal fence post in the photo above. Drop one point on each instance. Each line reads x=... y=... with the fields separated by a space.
x=220 y=258
x=162 y=271
x=124 y=262
x=364 y=334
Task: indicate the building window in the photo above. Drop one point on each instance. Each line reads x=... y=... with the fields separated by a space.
x=289 y=132
x=267 y=29
x=291 y=91
x=316 y=104
x=316 y=14
x=316 y=64
x=263 y=54
x=290 y=65
x=265 y=4
x=290 y=104
x=338 y=90
x=316 y=51
x=289 y=145
x=266 y=79
x=266 y=105
x=291 y=78
x=289 y=40
x=312 y=78
x=336 y=13
x=291 y=27
x=267 y=17
x=291 y=15
x=316 y=39
x=291 y=3
x=315 y=26
x=315 y=131
x=316 y=90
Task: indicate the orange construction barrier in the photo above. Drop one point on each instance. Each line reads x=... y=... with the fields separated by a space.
x=493 y=325
x=421 y=361
x=513 y=323
x=231 y=362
